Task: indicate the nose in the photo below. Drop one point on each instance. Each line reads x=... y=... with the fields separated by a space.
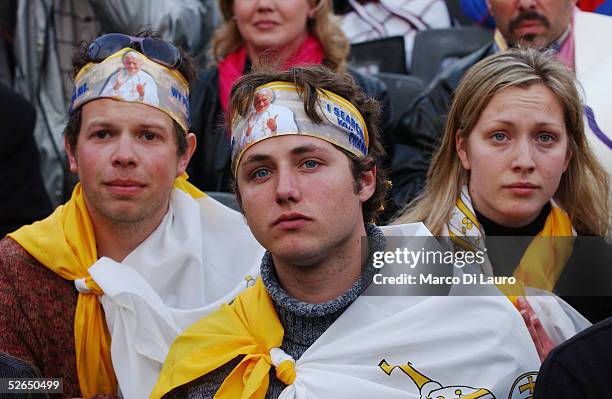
x=526 y=5
x=287 y=186
x=523 y=160
x=265 y=5
x=125 y=153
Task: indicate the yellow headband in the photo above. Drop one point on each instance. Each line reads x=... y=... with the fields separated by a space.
x=151 y=84
x=278 y=110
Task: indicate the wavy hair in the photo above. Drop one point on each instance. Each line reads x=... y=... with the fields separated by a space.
x=323 y=25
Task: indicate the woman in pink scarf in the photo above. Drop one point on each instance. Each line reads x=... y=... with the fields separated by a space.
x=254 y=34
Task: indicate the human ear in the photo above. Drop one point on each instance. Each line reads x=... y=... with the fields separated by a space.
x=462 y=152
x=72 y=161
x=368 y=184
x=184 y=159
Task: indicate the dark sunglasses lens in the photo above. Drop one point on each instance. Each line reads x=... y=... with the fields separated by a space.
x=107 y=45
x=162 y=52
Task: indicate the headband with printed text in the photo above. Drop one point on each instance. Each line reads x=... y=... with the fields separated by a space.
x=278 y=109
x=130 y=76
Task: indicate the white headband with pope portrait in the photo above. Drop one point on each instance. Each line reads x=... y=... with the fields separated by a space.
x=278 y=110
x=148 y=83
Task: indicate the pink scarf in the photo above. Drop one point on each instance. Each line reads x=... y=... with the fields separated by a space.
x=232 y=66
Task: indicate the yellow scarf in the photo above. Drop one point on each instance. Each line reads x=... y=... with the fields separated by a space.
x=65 y=243
x=542 y=262
x=544 y=259
x=248 y=326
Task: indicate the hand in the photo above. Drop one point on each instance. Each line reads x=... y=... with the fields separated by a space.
x=540 y=337
x=140 y=89
x=120 y=81
x=271 y=123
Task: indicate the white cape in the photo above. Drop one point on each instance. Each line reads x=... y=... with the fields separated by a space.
x=419 y=347
x=592 y=33
x=202 y=255
x=426 y=347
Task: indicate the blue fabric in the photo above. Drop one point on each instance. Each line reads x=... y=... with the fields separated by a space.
x=605 y=8
x=478 y=11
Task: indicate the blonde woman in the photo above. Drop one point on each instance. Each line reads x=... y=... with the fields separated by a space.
x=271 y=34
x=514 y=161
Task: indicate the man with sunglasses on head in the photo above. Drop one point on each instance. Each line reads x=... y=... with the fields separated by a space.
x=95 y=293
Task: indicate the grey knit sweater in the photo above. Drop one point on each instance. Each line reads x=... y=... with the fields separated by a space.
x=303 y=323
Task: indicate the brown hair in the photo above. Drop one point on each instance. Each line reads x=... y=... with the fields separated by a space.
x=323 y=25
x=80 y=58
x=583 y=191
x=309 y=80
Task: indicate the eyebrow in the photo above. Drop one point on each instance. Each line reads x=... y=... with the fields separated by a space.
x=104 y=124
x=256 y=158
x=511 y=123
x=308 y=148
x=305 y=149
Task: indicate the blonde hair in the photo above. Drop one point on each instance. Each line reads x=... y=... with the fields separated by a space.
x=323 y=25
x=583 y=190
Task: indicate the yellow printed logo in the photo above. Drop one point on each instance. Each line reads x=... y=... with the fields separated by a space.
x=524 y=386
x=250 y=281
x=430 y=389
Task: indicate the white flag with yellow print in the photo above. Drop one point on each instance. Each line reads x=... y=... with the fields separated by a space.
x=202 y=255
x=433 y=347
x=420 y=347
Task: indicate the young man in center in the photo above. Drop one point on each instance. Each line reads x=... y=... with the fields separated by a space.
x=309 y=196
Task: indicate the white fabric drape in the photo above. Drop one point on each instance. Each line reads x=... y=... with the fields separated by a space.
x=201 y=255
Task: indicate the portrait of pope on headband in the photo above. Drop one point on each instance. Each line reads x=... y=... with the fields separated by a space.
x=267 y=118
x=131 y=83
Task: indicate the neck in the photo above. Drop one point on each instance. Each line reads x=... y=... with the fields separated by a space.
x=116 y=240
x=531 y=229
x=322 y=280
x=277 y=56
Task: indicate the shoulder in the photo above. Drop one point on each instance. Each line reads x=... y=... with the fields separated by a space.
x=371 y=85
x=206 y=79
x=579 y=365
x=18 y=271
x=204 y=92
x=453 y=75
x=12 y=367
x=587 y=342
x=11 y=251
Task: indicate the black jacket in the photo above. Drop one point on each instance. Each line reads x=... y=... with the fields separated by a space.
x=580 y=367
x=209 y=168
x=23 y=198
x=419 y=130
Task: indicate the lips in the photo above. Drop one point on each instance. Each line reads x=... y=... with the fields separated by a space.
x=266 y=24
x=521 y=188
x=124 y=187
x=529 y=26
x=291 y=221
